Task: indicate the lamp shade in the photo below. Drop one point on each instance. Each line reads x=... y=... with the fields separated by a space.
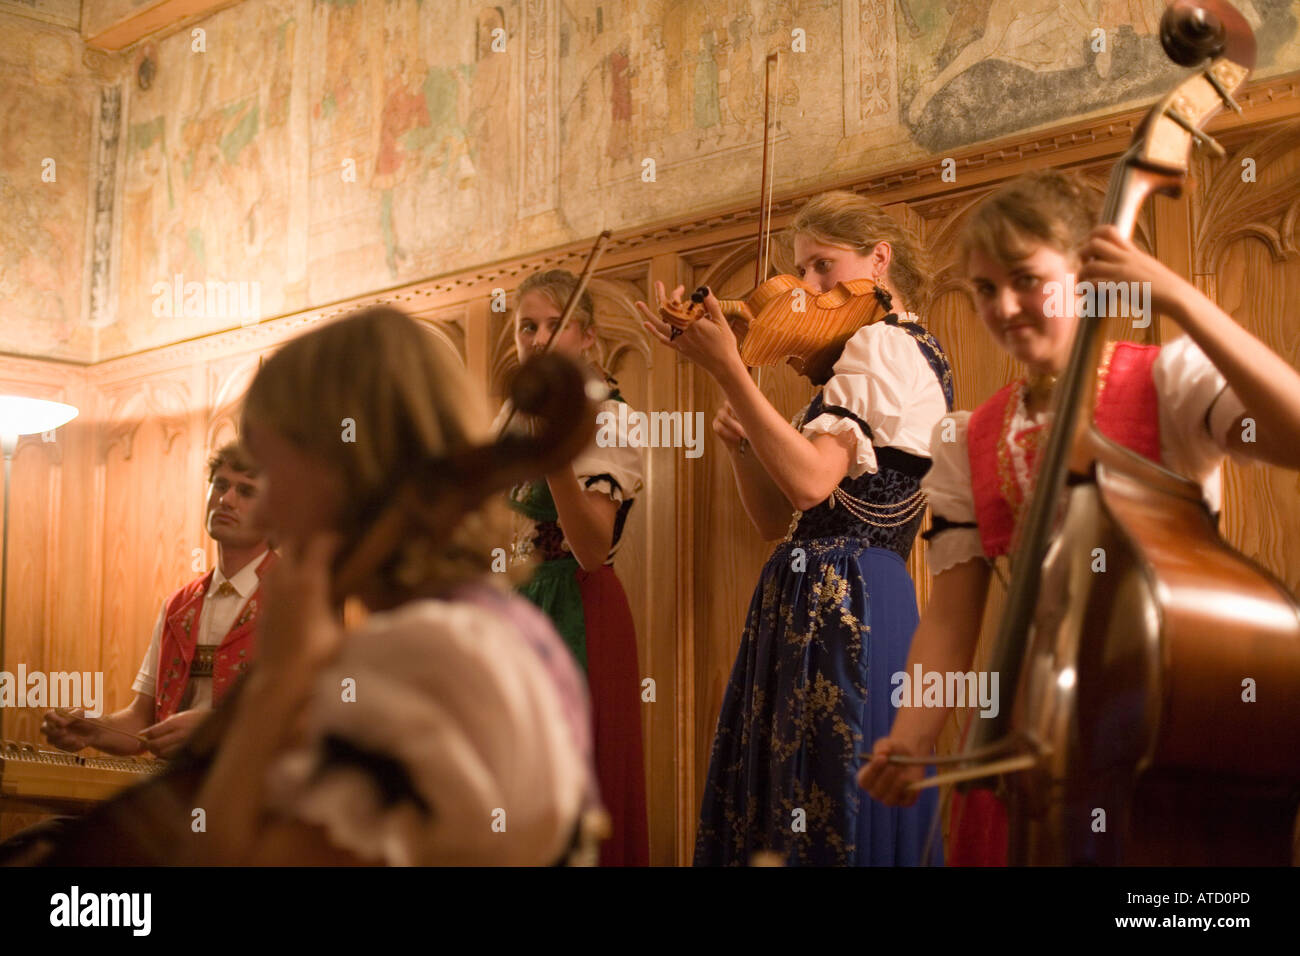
x=20 y=415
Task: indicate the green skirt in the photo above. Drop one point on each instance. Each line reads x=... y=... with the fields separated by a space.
x=554 y=588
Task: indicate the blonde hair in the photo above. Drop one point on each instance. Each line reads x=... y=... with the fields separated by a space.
x=1046 y=207
x=409 y=399
x=841 y=218
x=557 y=285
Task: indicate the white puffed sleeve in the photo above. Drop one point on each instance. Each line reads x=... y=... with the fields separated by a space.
x=450 y=694
x=947 y=486
x=612 y=462
x=1196 y=409
x=883 y=381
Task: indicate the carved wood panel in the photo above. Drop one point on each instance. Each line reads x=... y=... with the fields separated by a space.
x=1247 y=257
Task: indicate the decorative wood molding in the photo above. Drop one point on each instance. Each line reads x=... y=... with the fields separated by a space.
x=128 y=406
x=226 y=383
x=1267 y=209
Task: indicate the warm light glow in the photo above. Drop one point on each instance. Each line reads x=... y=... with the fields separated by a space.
x=20 y=415
x=1065 y=679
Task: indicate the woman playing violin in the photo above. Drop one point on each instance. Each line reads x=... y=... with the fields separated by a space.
x=572 y=522
x=834 y=608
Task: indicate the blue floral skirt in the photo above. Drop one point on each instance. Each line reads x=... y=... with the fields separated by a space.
x=827 y=628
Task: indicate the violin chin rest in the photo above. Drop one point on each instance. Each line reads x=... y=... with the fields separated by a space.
x=820 y=365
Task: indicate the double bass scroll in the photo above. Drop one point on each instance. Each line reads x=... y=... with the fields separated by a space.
x=1129 y=683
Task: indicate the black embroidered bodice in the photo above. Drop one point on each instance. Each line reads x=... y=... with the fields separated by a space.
x=891 y=490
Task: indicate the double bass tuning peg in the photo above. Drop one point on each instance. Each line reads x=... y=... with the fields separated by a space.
x=1191 y=34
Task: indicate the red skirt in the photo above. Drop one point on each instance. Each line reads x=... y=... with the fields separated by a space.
x=615 y=686
x=977 y=830
x=977 y=827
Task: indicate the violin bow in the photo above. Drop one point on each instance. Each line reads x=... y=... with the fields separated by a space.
x=771 y=79
x=597 y=250
x=767 y=182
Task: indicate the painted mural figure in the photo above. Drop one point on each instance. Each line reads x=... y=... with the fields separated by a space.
x=1172 y=404
x=832 y=615
x=571 y=522
x=706 y=85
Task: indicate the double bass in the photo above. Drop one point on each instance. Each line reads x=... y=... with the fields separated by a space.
x=1156 y=717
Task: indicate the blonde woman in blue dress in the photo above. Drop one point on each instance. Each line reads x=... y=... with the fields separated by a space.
x=834 y=610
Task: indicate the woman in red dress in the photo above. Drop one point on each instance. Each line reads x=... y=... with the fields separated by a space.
x=571 y=522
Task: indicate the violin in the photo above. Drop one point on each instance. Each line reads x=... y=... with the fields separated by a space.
x=784 y=320
x=149 y=824
x=1133 y=737
x=787 y=321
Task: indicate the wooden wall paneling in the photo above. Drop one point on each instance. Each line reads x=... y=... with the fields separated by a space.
x=1247 y=256
x=226 y=380
x=674 y=513
x=33 y=540
x=152 y=505
x=43 y=614
x=479 y=338
x=34 y=515
x=79 y=616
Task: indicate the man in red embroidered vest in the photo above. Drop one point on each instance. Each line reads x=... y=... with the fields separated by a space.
x=205 y=633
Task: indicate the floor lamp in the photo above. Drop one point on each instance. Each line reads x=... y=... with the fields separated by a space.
x=20 y=415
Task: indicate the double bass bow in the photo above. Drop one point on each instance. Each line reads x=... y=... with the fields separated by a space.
x=1156 y=717
x=149 y=824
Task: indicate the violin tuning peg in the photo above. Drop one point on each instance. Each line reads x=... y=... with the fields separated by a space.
x=700 y=294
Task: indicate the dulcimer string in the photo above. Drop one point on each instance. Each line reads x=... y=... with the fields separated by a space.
x=99 y=724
